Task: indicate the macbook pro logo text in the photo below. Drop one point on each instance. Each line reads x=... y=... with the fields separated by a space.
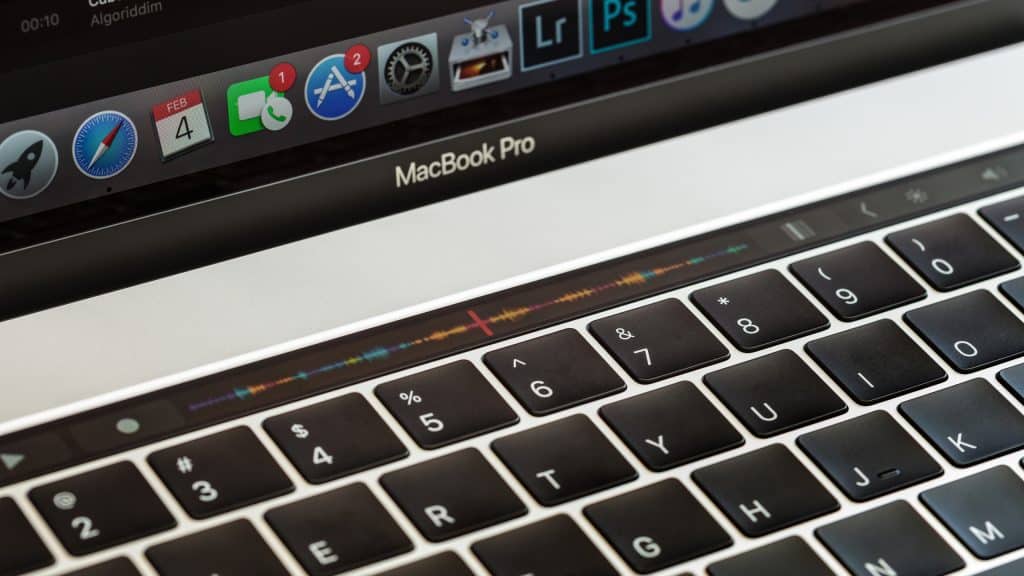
x=450 y=163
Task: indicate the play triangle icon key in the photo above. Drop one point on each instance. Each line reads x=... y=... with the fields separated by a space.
x=11 y=461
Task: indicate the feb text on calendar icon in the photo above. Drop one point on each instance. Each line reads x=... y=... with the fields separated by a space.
x=182 y=124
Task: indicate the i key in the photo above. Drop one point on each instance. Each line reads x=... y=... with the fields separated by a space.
x=869 y=456
x=554 y=546
x=858 y=281
x=219 y=473
x=335 y=438
x=875 y=362
x=789 y=557
x=554 y=372
x=983 y=511
x=972 y=331
x=952 y=252
x=337 y=531
x=453 y=495
x=564 y=460
x=765 y=490
x=658 y=526
x=22 y=550
x=102 y=508
x=969 y=423
x=659 y=340
x=759 y=310
x=775 y=393
x=228 y=550
x=671 y=426
x=893 y=539
x=446 y=404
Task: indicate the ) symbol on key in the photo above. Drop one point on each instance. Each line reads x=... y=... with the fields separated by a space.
x=65 y=501
x=410 y=398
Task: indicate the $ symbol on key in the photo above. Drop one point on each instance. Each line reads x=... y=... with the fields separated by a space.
x=300 y=431
x=624 y=334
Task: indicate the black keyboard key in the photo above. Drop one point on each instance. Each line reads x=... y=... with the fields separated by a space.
x=969 y=423
x=869 y=456
x=219 y=473
x=234 y=549
x=659 y=340
x=1008 y=218
x=972 y=331
x=102 y=508
x=554 y=372
x=116 y=567
x=444 y=564
x=337 y=531
x=335 y=438
x=671 y=426
x=658 y=526
x=893 y=539
x=1012 y=569
x=453 y=495
x=760 y=310
x=765 y=490
x=564 y=460
x=983 y=510
x=552 y=547
x=858 y=281
x=22 y=551
x=446 y=404
x=952 y=252
x=775 y=393
x=789 y=557
x=1013 y=378
x=876 y=362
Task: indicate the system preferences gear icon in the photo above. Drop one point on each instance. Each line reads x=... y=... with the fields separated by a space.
x=408 y=68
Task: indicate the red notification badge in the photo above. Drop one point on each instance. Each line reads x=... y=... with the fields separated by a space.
x=282 y=77
x=357 y=59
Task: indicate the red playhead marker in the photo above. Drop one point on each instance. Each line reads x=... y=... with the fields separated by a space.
x=282 y=77
x=357 y=59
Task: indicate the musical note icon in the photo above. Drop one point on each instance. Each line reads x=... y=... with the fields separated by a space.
x=694 y=9
x=686 y=14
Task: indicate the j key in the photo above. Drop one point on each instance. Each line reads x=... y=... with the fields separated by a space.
x=671 y=426
x=893 y=539
x=552 y=547
x=858 y=281
x=1008 y=218
x=659 y=340
x=564 y=460
x=22 y=550
x=1012 y=569
x=759 y=310
x=969 y=423
x=775 y=393
x=783 y=558
x=952 y=252
x=875 y=362
x=447 y=564
x=554 y=372
x=338 y=531
x=219 y=473
x=446 y=404
x=117 y=567
x=983 y=511
x=234 y=549
x=453 y=495
x=102 y=508
x=658 y=526
x=972 y=331
x=335 y=438
x=869 y=456
x=765 y=490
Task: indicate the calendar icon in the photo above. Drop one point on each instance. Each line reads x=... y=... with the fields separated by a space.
x=182 y=124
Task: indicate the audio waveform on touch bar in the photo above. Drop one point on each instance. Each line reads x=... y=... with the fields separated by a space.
x=476 y=323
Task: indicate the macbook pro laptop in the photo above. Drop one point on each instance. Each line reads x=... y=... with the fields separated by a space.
x=512 y=288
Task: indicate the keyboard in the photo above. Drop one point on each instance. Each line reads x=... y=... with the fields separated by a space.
x=834 y=390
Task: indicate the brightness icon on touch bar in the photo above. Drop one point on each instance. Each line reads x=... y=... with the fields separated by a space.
x=798 y=230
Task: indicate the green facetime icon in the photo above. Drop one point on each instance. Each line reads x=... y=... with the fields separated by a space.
x=254 y=106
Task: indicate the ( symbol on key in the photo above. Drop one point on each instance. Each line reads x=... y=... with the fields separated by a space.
x=410 y=398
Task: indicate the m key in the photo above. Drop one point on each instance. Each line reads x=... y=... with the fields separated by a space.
x=983 y=510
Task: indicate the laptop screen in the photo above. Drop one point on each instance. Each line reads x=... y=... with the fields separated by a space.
x=277 y=120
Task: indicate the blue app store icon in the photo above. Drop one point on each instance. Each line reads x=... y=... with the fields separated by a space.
x=616 y=24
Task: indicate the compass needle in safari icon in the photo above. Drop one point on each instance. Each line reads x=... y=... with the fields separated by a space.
x=105 y=144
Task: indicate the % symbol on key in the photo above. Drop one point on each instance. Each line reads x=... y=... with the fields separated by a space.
x=410 y=397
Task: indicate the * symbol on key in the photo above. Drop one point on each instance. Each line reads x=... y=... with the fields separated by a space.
x=724 y=301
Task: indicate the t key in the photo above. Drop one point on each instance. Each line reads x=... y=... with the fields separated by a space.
x=760 y=310
x=952 y=252
x=554 y=372
x=858 y=281
x=222 y=472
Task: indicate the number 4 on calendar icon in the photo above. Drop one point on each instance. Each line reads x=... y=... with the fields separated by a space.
x=182 y=124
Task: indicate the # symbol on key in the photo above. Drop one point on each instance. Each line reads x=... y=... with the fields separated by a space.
x=300 y=431
x=185 y=465
x=410 y=398
x=65 y=501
